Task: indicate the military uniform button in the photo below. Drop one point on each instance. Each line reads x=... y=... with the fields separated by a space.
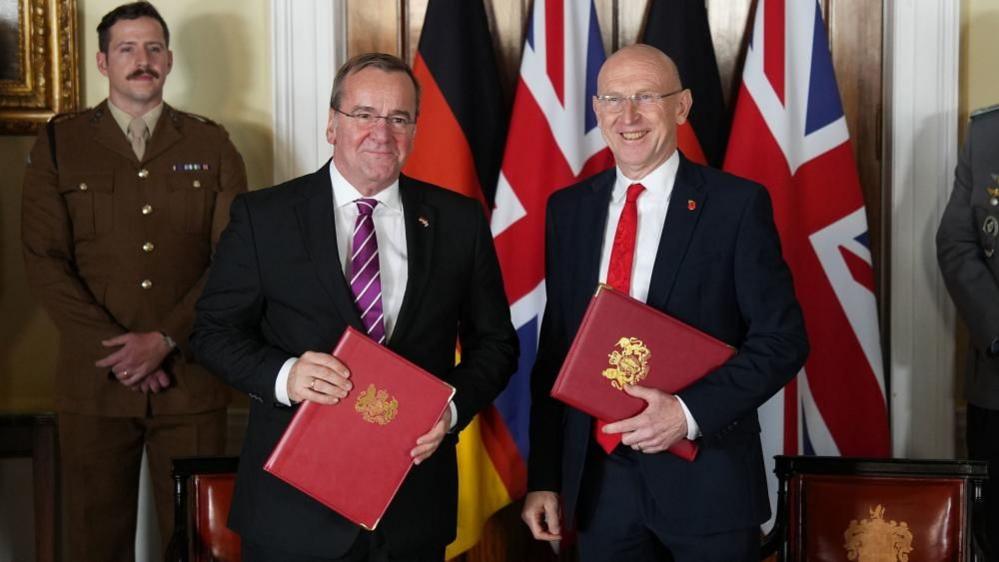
x=147 y=209
x=83 y=186
x=994 y=201
x=146 y=284
x=148 y=247
x=143 y=173
x=196 y=184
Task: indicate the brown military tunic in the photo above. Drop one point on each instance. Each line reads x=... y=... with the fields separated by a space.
x=115 y=245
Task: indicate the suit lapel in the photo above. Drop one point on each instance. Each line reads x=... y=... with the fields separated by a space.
x=315 y=219
x=685 y=206
x=165 y=135
x=108 y=134
x=420 y=219
x=589 y=231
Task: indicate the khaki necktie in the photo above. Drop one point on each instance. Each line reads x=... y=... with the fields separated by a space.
x=137 y=132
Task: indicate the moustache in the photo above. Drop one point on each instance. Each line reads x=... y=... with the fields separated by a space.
x=143 y=72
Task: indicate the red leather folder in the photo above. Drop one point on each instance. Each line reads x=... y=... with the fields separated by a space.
x=623 y=341
x=353 y=456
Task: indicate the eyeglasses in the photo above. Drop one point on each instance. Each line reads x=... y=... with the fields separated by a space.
x=367 y=120
x=615 y=104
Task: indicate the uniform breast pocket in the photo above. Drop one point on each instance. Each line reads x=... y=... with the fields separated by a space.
x=90 y=201
x=192 y=201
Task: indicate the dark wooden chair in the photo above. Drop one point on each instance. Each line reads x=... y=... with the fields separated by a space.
x=202 y=495
x=840 y=508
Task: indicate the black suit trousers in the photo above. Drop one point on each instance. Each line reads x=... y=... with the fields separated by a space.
x=619 y=519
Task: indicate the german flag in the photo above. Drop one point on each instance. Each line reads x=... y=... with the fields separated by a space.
x=461 y=130
x=460 y=135
x=680 y=29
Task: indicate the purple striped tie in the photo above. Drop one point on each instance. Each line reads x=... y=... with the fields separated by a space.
x=365 y=279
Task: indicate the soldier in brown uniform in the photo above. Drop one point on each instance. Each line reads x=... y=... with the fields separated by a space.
x=122 y=207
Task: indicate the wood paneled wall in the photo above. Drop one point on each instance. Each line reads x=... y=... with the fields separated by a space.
x=855 y=36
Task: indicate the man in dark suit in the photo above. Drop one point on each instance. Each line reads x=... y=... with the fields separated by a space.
x=354 y=244
x=122 y=206
x=966 y=250
x=701 y=246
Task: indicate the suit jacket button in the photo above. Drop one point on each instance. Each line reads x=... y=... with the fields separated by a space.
x=148 y=247
x=143 y=173
x=146 y=284
x=147 y=209
x=196 y=184
x=83 y=186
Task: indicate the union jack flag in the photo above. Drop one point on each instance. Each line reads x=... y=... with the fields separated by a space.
x=553 y=142
x=789 y=134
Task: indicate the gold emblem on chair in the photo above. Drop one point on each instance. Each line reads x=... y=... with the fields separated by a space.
x=629 y=363
x=376 y=406
x=877 y=540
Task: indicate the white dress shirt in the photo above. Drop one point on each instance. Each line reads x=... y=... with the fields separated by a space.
x=652 y=207
x=390 y=229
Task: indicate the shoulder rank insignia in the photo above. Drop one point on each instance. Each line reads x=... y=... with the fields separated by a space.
x=195 y=116
x=60 y=117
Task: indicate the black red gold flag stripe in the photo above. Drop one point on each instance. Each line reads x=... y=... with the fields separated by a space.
x=461 y=130
x=680 y=29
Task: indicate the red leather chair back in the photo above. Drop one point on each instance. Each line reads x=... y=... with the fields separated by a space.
x=878 y=510
x=877 y=518
x=202 y=496
x=212 y=498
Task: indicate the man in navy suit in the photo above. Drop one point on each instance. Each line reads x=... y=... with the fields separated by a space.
x=354 y=244
x=701 y=246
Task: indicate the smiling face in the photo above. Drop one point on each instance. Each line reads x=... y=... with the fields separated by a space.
x=137 y=63
x=641 y=137
x=371 y=156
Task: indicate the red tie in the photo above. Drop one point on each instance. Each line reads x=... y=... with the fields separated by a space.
x=619 y=276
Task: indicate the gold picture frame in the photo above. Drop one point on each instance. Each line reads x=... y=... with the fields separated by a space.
x=39 y=74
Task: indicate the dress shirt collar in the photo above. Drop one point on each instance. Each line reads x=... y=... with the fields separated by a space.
x=345 y=194
x=123 y=119
x=659 y=181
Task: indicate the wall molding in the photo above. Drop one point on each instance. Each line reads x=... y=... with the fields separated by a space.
x=921 y=93
x=309 y=44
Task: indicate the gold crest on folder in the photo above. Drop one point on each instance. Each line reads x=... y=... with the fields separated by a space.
x=376 y=406
x=877 y=540
x=629 y=363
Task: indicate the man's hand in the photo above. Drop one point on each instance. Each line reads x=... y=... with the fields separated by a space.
x=543 y=514
x=139 y=355
x=657 y=427
x=427 y=443
x=156 y=381
x=318 y=377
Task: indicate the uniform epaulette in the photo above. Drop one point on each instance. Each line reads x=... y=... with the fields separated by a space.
x=176 y=113
x=50 y=130
x=59 y=117
x=984 y=110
